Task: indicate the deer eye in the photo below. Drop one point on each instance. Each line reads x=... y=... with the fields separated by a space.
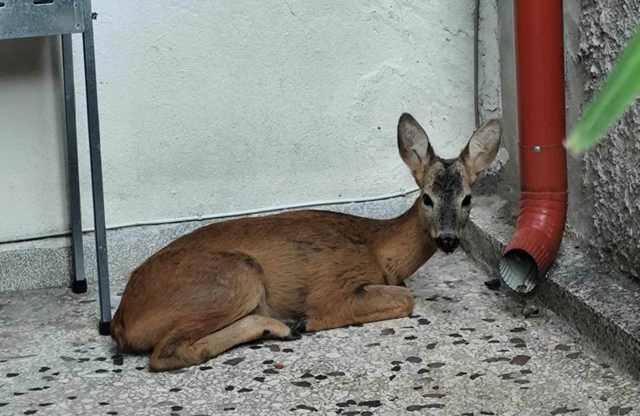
x=466 y=201
x=427 y=200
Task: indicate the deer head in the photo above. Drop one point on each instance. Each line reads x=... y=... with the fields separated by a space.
x=445 y=184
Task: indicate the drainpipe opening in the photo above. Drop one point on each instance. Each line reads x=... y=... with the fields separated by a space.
x=519 y=270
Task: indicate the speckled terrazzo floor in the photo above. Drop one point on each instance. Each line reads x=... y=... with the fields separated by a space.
x=466 y=351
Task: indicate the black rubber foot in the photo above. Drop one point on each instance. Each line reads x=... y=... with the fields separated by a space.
x=79 y=286
x=103 y=328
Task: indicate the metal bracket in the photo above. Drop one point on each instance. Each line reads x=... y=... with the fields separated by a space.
x=31 y=18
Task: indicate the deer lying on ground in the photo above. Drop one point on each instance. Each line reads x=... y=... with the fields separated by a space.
x=276 y=276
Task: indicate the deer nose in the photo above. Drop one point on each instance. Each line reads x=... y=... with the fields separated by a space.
x=447 y=242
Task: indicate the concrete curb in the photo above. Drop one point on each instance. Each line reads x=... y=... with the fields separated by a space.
x=601 y=304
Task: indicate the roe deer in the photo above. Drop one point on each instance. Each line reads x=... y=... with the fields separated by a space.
x=236 y=281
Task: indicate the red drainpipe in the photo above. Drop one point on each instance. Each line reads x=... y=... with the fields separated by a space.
x=541 y=122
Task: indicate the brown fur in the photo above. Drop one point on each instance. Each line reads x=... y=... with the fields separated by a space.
x=237 y=281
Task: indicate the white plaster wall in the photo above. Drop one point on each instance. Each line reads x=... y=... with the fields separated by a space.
x=219 y=106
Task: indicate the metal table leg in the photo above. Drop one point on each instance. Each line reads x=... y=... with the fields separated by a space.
x=96 y=179
x=79 y=283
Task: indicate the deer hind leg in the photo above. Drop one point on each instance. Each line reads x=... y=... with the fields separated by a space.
x=370 y=304
x=196 y=296
x=176 y=352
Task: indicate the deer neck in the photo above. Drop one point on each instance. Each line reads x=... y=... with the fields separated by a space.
x=402 y=245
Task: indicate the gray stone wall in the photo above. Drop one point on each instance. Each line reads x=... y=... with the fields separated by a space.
x=610 y=171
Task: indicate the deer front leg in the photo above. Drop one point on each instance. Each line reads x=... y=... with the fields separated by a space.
x=370 y=304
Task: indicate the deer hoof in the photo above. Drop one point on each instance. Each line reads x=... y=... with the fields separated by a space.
x=297 y=327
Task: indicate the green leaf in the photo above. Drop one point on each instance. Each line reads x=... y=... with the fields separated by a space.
x=610 y=103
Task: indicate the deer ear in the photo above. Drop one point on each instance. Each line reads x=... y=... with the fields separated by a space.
x=482 y=147
x=413 y=144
